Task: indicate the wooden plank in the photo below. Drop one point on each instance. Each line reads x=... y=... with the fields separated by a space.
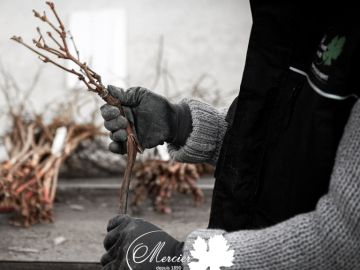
x=36 y=265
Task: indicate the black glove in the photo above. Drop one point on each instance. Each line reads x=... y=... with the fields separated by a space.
x=133 y=243
x=156 y=120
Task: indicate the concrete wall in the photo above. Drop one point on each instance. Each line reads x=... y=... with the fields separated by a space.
x=202 y=36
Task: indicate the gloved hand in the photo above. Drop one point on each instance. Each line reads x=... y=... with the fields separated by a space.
x=133 y=243
x=156 y=120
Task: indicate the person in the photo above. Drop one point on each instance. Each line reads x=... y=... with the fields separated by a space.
x=287 y=192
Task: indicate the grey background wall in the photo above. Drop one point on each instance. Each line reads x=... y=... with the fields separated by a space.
x=202 y=36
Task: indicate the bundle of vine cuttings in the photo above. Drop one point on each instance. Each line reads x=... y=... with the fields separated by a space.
x=160 y=180
x=36 y=150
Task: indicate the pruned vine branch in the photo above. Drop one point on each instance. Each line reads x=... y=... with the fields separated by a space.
x=60 y=50
x=54 y=47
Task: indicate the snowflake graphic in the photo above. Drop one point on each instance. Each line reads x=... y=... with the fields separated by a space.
x=216 y=255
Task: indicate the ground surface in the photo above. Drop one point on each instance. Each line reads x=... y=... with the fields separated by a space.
x=81 y=216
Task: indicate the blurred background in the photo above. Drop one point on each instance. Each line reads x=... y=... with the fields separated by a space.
x=177 y=48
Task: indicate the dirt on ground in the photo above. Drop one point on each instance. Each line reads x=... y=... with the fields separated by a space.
x=80 y=227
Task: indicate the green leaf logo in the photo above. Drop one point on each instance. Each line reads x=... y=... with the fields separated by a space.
x=334 y=49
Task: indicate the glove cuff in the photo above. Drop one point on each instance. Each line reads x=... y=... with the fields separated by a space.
x=182 y=124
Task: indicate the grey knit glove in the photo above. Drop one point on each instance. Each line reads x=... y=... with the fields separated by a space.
x=156 y=120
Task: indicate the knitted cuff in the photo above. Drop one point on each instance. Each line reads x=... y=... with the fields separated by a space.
x=204 y=142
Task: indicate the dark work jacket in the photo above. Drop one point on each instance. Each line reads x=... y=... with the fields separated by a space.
x=296 y=94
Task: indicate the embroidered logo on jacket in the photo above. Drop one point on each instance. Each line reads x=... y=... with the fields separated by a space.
x=333 y=50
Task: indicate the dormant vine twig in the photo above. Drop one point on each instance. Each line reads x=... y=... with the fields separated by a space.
x=60 y=50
